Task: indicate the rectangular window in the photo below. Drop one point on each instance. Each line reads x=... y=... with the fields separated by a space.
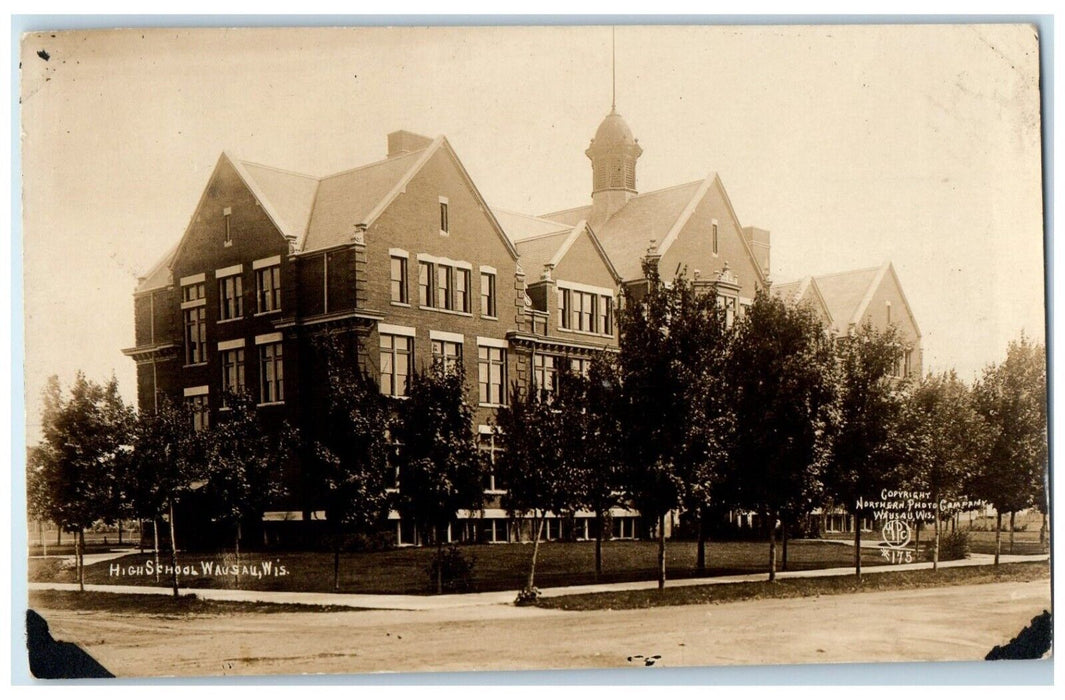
x=425 y=283
x=271 y=373
x=200 y=414
x=443 y=287
x=227 y=213
x=491 y=374
x=488 y=294
x=443 y=216
x=447 y=352
x=580 y=366
x=192 y=292
x=399 y=280
x=907 y=363
x=395 y=358
x=545 y=373
x=230 y=297
x=606 y=315
x=713 y=228
x=233 y=370
x=490 y=446
x=462 y=290
x=578 y=310
x=268 y=288
x=729 y=305
x=195 y=335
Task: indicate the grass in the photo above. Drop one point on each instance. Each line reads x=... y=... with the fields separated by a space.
x=497 y=567
x=798 y=587
x=162 y=605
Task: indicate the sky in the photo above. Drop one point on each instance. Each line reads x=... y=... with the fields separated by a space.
x=852 y=145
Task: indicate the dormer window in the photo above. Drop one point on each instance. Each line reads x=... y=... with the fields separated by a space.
x=227 y=214
x=444 y=230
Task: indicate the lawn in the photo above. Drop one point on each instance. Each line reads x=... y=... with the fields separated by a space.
x=162 y=605
x=799 y=587
x=497 y=567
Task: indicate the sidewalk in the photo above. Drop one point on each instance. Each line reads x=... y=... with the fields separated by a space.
x=465 y=600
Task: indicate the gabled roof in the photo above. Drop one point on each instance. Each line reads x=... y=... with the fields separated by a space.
x=159 y=275
x=627 y=234
x=519 y=226
x=804 y=289
x=848 y=294
x=321 y=213
x=287 y=197
x=549 y=249
x=350 y=197
x=843 y=293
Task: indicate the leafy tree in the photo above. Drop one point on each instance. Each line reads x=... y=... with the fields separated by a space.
x=534 y=465
x=782 y=381
x=867 y=452
x=244 y=460
x=1011 y=397
x=440 y=471
x=593 y=439
x=76 y=467
x=169 y=457
x=350 y=448
x=668 y=335
x=945 y=437
x=701 y=336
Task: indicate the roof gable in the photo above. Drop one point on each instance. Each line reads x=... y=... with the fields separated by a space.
x=627 y=234
x=287 y=197
x=805 y=291
x=519 y=227
x=352 y=197
x=843 y=293
x=536 y=252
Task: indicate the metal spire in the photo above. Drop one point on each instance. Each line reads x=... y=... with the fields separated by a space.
x=613 y=73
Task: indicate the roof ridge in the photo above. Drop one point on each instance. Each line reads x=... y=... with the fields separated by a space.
x=370 y=165
x=677 y=187
x=276 y=169
x=848 y=272
x=527 y=216
x=638 y=196
x=541 y=236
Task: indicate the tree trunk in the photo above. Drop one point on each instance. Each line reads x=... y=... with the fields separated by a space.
x=661 y=551
x=935 y=547
x=700 y=560
x=40 y=536
x=538 y=528
x=120 y=531
x=857 y=547
x=772 y=525
x=236 y=550
x=1013 y=516
x=783 y=546
x=58 y=535
x=998 y=535
x=439 y=562
x=1043 y=532
x=173 y=550
x=336 y=557
x=79 y=557
x=598 y=544
x=155 y=537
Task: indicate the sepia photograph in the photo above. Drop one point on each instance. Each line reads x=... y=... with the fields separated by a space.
x=422 y=349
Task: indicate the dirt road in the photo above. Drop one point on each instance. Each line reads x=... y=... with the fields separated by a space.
x=952 y=623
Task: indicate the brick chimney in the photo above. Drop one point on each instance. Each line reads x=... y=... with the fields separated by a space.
x=758 y=239
x=400 y=142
